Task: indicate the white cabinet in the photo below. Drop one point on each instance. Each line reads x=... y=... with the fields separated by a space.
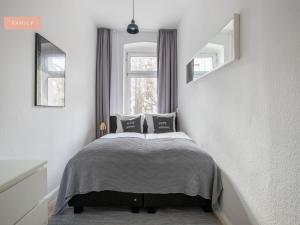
x=23 y=187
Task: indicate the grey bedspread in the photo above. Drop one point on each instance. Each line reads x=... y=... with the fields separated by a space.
x=139 y=165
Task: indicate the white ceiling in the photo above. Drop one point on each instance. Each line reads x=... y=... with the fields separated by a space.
x=149 y=14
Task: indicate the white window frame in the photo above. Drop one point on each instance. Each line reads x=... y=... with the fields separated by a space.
x=214 y=62
x=139 y=73
x=135 y=74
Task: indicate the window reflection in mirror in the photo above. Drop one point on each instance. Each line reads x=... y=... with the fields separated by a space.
x=50 y=74
x=220 y=50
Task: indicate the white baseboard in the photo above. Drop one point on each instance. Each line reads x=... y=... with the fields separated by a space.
x=51 y=198
x=52 y=195
x=223 y=218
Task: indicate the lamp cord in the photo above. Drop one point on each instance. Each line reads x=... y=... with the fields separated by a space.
x=133 y=9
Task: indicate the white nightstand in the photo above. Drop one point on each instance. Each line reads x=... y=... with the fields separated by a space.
x=23 y=187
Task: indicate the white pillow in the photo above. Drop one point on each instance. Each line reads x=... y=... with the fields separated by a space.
x=149 y=120
x=128 y=117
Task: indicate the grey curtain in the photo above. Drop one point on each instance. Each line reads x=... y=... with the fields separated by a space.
x=103 y=77
x=167 y=70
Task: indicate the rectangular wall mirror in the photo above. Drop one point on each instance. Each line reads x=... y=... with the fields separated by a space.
x=220 y=50
x=49 y=74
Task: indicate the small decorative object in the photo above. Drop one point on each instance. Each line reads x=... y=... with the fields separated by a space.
x=132 y=28
x=102 y=128
x=49 y=73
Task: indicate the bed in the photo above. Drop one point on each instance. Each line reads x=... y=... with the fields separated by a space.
x=140 y=170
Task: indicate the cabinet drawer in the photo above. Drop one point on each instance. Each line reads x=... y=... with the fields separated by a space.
x=24 y=196
x=37 y=216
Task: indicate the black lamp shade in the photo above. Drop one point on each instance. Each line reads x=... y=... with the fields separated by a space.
x=132 y=28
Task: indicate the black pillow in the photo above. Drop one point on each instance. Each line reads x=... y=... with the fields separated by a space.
x=163 y=124
x=132 y=125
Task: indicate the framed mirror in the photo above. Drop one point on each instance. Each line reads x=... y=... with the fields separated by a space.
x=50 y=64
x=219 y=51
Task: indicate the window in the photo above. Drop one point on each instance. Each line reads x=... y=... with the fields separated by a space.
x=142 y=64
x=141 y=83
x=55 y=64
x=204 y=63
x=56 y=86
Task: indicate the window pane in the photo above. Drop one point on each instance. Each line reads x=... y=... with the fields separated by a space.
x=145 y=63
x=56 y=64
x=56 y=90
x=143 y=95
x=203 y=64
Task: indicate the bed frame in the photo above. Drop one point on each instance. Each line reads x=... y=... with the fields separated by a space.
x=136 y=201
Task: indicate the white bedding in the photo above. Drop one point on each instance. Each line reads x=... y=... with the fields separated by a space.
x=124 y=135
x=168 y=135
x=148 y=136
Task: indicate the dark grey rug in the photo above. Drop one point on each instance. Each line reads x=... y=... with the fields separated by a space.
x=109 y=216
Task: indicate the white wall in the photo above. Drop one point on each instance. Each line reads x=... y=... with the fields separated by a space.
x=246 y=115
x=53 y=134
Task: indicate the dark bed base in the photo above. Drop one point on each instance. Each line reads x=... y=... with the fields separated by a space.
x=136 y=201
